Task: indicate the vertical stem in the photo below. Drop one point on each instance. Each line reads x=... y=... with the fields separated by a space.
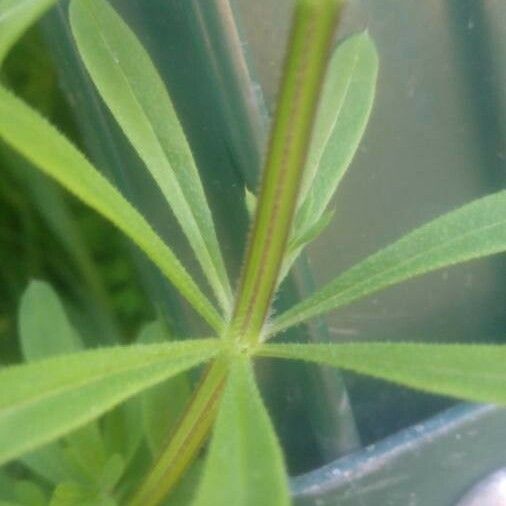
x=312 y=31
x=305 y=64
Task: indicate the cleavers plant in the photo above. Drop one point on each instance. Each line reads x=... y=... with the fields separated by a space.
x=50 y=406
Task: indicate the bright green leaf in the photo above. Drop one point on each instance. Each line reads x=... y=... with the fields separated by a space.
x=345 y=106
x=26 y=131
x=475 y=230
x=245 y=463
x=468 y=371
x=15 y=17
x=163 y=404
x=66 y=392
x=136 y=95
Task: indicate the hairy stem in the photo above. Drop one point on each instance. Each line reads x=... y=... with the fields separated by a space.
x=312 y=30
x=305 y=64
x=188 y=438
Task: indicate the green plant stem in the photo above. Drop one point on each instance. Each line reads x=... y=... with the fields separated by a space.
x=188 y=437
x=313 y=27
x=310 y=40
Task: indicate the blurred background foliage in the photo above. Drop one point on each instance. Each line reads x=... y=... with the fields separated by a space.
x=46 y=234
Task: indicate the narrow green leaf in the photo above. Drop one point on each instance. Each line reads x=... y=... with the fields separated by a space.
x=344 y=110
x=468 y=371
x=163 y=404
x=30 y=134
x=44 y=328
x=136 y=95
x=475 y=230
x=245 y=463
x=16 y=16
x=66 y=392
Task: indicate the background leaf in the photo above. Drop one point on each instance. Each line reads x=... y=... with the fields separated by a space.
x=136 y=95
x=82 y=386
x=161 y=405
x=15 y=17
x=45 y=331
x=475 y=230
x=40 y=143
x=345 y=106
x=245 y=463
x=472 y=372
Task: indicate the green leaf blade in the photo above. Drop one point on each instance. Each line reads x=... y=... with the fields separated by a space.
x=30 y=134
x=44 y=328
x=81 y=387
x=245 y=463
x=344 y=110
x=16 y=16
x=136 y=95
x=475 y=230
x=467 y=371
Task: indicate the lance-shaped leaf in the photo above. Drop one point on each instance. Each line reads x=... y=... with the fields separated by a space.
x=475 y=230
x=345 y=105
x=30 y=134
x=15 y=17
x=245 y=463
x=468 y=371
x=63 y=393
x=45 y=331
x=136 y=95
